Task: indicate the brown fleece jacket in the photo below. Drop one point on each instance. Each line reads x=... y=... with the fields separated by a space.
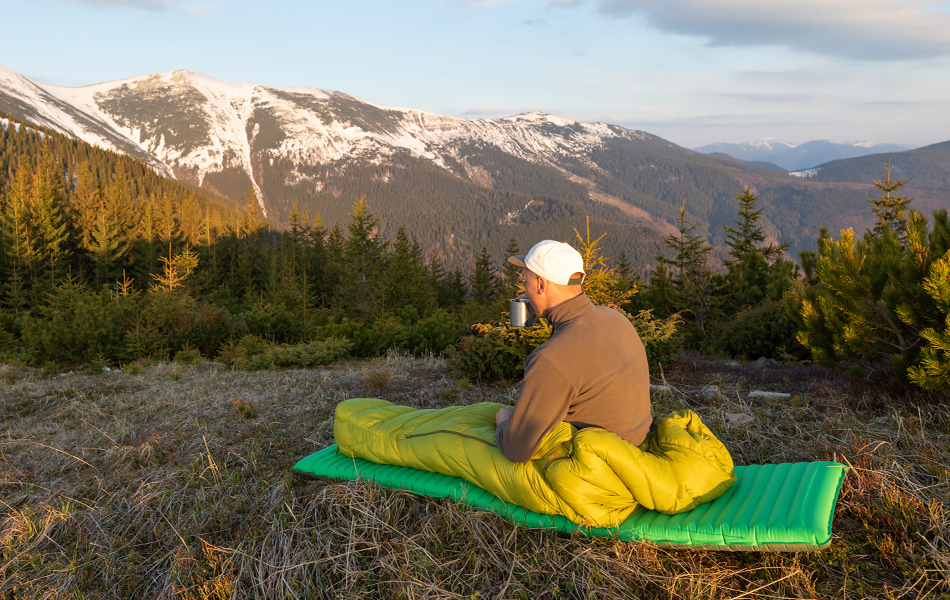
x=592 y=372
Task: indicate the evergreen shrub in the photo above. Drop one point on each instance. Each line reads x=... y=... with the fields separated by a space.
x=300 y=356
x=234 y=350
x=872 y=300
x=78 y=326
x=402 y=330
x=497 y=352
x=180 y=321
x=188 y=356
x=764 y=330
x=273 y=322
x=7 y=330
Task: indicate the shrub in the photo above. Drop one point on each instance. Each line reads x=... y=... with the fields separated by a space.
x=78 y=326
x=933 y=372
x=434 y=333
x=498 y=352
x=233 y=351
x=171 y=322
x=871 y=300
x=765 y=330
x=272 y=322
x=404 y=330
x=304 y=355
x=188 y=356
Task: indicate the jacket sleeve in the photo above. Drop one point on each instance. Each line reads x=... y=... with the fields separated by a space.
x=544 y=401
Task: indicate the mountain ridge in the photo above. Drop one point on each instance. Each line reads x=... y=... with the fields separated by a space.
x=456 y=183
x=798 y=157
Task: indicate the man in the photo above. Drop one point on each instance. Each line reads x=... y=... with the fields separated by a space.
x=592 y=372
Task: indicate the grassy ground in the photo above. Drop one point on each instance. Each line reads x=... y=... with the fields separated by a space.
x=176 y=482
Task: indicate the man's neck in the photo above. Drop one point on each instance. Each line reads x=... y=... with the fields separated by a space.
x=563 y=299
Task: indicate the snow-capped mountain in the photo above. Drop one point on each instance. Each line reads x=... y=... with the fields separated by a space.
x=192 y=126
x=457 y=184
x=794 y=157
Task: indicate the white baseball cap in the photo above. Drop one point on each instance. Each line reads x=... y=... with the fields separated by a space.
x=555 y=261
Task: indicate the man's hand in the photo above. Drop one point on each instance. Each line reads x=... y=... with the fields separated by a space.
x=501 y=415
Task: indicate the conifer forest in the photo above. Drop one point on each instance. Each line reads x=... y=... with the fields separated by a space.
x=105 y=263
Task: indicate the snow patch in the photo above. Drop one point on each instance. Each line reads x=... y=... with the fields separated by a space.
x=312 y=131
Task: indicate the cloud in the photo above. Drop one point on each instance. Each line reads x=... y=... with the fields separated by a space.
x=797 y=98
x=797 y=76
x=476 y=4
x=208 y=9
x=717 y=121
x=903 y=103
x=855 y=29
x=486 y=111
x=530 y=22
x=142 y=4
x=205 y=10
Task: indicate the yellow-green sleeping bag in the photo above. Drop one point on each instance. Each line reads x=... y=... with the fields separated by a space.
x=590 y=476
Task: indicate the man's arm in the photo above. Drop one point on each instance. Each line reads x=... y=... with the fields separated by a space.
x=545 y=398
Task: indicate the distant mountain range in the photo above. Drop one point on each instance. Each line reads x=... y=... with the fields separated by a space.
x=791 y=157
x=455 y=184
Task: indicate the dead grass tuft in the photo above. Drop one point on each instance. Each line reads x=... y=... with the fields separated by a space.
x=155 y=484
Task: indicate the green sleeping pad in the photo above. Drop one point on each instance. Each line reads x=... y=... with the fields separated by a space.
x=778 y=508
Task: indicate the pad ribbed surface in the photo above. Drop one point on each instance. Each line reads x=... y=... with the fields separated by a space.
x=785 y=507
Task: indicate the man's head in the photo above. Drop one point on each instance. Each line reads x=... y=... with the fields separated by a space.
x=553 y=272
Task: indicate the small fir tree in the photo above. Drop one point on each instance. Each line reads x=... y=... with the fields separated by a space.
x=933 y=371
x=755 y=273
x=483 y=281
x=891 y=211
x=47 y=201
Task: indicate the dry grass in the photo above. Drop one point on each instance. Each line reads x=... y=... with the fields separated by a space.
x=176 y=482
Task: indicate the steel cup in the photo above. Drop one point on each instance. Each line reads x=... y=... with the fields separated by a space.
x=520 y=312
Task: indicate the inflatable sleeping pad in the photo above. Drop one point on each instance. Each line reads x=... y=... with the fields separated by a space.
x=677 y=489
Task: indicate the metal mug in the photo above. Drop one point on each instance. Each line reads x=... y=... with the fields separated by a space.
x=520 y=312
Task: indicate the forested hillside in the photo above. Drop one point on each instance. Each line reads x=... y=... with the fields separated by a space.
x=455 y=184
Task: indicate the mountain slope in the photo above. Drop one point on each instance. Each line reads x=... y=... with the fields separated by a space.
x=456 y=184
x=793 y=157
x=927 y=167
x=30 y=102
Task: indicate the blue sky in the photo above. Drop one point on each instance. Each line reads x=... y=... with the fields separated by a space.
x=692 y=71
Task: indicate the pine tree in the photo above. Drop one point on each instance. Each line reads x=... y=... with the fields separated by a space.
x=891 y=211
x=18 y=243
x=251 y=266
x=49 y=223
x=456 y=290
x=405 y=284
x=693 y=281
x=602 y=284
x=112 y=229
x=364 y=257
x=755 y=272
x=483 y=281
x=933 y=371
x=872 y=302
x=251 y=222
x=174 y=272
x=331 y=292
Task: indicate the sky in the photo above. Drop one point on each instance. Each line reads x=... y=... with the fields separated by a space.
x=692 y=71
